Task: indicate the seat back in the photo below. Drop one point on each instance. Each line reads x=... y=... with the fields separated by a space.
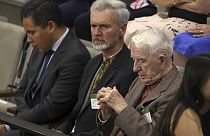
x=11 y=42
x=90 y=48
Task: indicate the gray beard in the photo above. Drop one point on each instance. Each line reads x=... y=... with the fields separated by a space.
x=102 y=47
x=106 y=45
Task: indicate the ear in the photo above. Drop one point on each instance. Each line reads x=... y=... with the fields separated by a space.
x=51 y=26
x=162 y=60
x=123 y=29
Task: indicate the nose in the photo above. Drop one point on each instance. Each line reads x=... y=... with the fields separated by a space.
x=136 y=66
x=96 y=30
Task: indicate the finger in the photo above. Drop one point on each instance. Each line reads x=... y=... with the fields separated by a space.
x=199 y=35
x=103 y=89
x=108 y=88
x=195 y=31
x=200 y=26
x=103 y=100
x=101 y=94
x=103 y=105
x=115 y=89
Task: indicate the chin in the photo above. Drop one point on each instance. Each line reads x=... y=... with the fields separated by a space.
x=101 y=47
x=41 y=51
x=145 y=81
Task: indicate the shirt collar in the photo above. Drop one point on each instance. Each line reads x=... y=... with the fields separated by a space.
x=58 y=42
x=113 y=56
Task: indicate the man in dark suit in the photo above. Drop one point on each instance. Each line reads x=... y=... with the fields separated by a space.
x=48 y=90
x=108 y=25
x=158 y=81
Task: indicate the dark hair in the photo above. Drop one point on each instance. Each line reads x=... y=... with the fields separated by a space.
x=41 y=12
x=197 y=72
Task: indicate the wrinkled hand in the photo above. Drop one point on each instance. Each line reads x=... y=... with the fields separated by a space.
x=109 y=97
x=106 y=111
x=183 y=1
x=2 y=128
x=200 y=30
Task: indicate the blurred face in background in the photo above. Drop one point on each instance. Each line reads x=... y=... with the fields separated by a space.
x=104 y=29
x=38 y=37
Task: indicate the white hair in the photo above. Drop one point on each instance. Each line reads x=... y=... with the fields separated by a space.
x=117 y=5
x=156 y=40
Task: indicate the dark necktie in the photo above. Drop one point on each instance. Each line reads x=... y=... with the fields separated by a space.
x=47 y=58
x=33 y=89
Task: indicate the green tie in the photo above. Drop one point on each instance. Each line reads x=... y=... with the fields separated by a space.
x=100 y=73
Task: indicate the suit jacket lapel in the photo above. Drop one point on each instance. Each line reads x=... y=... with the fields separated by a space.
x=133 y=97
x=35 y=70
x=36 y=67
x=87 y=78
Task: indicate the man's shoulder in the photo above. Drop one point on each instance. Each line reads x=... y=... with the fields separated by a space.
x=74 y=46
x=73 y=41
x=178 y=78
x=95 y=59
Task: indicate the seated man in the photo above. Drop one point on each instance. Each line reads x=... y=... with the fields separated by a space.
x=149 y=93
x=111 y=68
x=48 y=89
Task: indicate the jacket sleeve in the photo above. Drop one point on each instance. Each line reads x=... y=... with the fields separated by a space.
x=20 y=93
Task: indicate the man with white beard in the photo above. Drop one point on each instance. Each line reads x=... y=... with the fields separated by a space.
x=113 y=67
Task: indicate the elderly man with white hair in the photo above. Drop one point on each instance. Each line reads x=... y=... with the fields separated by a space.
x=157 y=82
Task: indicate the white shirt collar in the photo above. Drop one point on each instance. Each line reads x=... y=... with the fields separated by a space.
x=58 y=42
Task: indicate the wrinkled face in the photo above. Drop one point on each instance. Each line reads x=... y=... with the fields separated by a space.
x=147 y=66
x=104 y=29
x=37 y=37
x=206 y=91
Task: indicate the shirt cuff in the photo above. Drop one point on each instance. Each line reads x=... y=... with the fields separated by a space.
x=7 y=127
x=101 y=121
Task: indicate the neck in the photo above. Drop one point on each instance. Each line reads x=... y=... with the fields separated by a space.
x=205 y=108
x=112 y=51
x=169 y=66
x=59 y=32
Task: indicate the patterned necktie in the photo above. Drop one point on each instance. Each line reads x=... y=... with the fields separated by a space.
x=47 y=57
x=100 y=73
x=149 y=89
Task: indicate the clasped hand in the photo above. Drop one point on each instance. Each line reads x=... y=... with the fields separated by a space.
x=110 y=99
